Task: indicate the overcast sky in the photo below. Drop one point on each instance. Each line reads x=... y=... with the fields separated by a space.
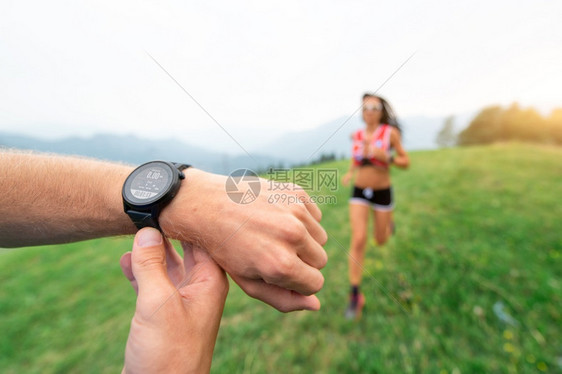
x=262 y=68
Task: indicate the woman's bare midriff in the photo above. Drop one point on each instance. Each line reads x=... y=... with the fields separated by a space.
x=372 y=177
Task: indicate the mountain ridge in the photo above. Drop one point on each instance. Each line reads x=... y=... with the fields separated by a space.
x=292 y=148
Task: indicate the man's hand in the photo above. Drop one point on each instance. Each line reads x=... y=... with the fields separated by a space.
x=273 y=250
x=179 y=306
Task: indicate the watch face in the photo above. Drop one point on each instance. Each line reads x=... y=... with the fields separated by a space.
x=148 y=183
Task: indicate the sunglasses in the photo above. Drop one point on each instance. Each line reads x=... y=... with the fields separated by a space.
x=372 y=107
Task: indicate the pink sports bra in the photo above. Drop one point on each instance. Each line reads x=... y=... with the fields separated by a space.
x=380 y=139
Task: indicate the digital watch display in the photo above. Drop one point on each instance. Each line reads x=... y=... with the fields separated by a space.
x=149 y=188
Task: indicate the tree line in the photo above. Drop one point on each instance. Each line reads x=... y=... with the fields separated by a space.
x=495 y=124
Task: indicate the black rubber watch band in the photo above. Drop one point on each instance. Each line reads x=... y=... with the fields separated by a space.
x=181 y=167
x=144 y=219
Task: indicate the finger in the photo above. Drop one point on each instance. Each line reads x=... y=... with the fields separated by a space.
x=127 y=269
x=174 y=263
x=148 y=262
x=200 y=255
x=308 y=242
x=125 y=263
x=312 y=253
x=199 y=263
x=210 y=278
x=279 y=298
x=291 y=273
x=314 y=228
x=188 y=259
x=312 y=208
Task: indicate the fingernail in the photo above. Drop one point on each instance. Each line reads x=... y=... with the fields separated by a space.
x=148 y=237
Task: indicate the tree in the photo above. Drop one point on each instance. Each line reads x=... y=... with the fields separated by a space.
x=494 y=124
x=485 y=128
x=554 y=123
x=446 y=136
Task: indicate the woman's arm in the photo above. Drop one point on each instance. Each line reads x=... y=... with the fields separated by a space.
x=347 y=177
x=401 y=159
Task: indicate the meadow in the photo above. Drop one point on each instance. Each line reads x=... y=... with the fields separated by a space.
x=478 y=229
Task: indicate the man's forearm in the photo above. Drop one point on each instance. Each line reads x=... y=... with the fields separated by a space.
x=48 y=199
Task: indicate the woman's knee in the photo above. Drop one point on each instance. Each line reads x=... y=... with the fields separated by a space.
x=381 y=238
x=358 y=242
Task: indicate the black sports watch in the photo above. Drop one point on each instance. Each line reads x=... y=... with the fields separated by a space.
x=149 y=188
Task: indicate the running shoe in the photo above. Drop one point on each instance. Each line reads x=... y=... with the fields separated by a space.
x=355 y=307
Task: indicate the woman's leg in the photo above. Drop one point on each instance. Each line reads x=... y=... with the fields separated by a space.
x=383 y=227
x=359 y=216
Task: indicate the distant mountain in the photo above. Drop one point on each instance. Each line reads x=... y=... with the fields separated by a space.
x=285 y=151
x=134 y=150
x=335 y=137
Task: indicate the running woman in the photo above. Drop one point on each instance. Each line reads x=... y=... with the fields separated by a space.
x=370 y=163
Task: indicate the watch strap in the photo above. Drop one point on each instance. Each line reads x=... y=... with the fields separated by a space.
x=144 y=219
x=181 y=167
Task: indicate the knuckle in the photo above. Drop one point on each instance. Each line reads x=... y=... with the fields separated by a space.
x=323 y=239
x=319 y=214
x=150 y=261
x=299 y=210
x=314 y=286
x=323 y=260
x=319 y=284
x=305 y=197
x=283 y=268
x=293 y=231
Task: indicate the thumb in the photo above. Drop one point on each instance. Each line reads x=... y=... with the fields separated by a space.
x=148 y=262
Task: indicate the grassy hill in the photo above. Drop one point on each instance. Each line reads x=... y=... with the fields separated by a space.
x=475 y=226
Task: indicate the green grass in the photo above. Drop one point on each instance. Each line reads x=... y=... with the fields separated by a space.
x=475 y=226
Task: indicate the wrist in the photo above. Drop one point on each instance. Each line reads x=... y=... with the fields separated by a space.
x=122 y=222
x=182 y=218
